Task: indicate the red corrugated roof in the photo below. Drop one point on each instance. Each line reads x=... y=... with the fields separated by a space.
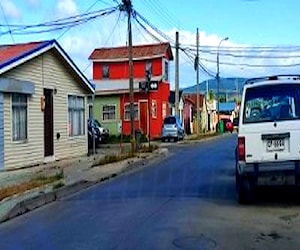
x=9 y=52
x=138 y=51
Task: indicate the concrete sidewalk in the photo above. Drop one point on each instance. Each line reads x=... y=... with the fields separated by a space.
x=77 y=174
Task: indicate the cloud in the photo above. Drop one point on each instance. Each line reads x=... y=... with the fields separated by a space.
x=66 y=8
x=10 y=10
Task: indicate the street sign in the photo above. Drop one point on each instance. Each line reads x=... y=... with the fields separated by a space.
x=153 y=85
x=148 y=86
x=143 y=86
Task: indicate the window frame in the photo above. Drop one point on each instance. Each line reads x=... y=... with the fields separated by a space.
x=154 y=108
x=105 y=71
x=70 y=133
x=148 y=66
x=136 y=117
x=21 y=140
x=166 y=70
x=115 y=112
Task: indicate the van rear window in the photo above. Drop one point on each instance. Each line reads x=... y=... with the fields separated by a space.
x=170 y=120
x=272 y=103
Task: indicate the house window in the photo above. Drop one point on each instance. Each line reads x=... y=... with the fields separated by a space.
x=166 y=76
x=127 y=112
x=108 y=112
x=148 y=67
x=153 y=109
x=164 y=110
x=19 y=117
x=105 y=71
x=76 y=115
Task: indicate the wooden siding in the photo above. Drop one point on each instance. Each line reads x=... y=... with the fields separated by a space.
x=1 y=133
x=45 y=71
x=100 y=101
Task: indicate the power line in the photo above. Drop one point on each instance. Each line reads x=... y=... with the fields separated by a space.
x=253 y=65
x=59 y=23
x=64 y=32
x=113 y=29
x=12 y=38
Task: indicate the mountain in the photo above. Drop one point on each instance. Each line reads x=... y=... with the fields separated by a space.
x=227 y=86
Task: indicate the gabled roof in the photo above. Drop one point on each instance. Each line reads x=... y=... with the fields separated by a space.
x=193 y=98
x=16 y=54
x=146 y=51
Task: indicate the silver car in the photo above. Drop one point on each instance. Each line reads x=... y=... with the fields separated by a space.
x=172 y=129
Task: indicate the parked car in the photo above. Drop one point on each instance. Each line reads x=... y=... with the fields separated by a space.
x=172 y=129
x=101 y=133
x=228 y=125
x=268 y=138
x=104 y=132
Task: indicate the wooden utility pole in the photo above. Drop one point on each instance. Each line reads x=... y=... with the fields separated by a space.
x=128 y=8
x=197 y=82
x=177 y=74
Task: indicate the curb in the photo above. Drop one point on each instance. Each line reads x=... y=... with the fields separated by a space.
x=46 y=197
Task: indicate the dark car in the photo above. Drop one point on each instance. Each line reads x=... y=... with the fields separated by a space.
x=93 y=131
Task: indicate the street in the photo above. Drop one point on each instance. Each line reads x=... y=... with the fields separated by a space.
x=185 y=201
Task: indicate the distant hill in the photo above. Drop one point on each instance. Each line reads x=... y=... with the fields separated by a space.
x=228 y=86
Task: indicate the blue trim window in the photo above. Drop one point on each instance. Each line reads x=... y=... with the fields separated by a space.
x=19 y=117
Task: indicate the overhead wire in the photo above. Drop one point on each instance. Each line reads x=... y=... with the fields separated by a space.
x=59 y=23
x=9 y=30
x=65 y=31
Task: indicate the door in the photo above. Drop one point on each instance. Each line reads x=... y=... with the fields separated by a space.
x=48 y=123
x=144 y=116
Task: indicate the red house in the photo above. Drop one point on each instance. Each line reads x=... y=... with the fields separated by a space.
x=111 y=77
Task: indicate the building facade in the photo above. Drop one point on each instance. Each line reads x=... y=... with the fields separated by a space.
x=111 y=78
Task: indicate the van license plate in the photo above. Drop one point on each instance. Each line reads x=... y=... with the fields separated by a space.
x=275 y=145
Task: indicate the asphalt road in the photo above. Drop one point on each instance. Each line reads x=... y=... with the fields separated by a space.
x=186 y=201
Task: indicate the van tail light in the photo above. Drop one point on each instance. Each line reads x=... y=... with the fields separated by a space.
x=241 y=148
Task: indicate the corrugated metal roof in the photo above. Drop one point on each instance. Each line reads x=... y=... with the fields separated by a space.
x=16 y=54
x=138 y=52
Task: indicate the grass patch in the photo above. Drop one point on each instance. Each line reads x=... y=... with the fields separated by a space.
x=112 y=158
x=147 y=149
x=35 y=183
x=126 y=139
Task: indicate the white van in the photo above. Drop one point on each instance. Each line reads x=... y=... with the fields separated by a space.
x=268 y=150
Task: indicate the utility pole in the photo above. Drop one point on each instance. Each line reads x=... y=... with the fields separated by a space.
x=177 y=74
x=128 y=8
x=197 y=82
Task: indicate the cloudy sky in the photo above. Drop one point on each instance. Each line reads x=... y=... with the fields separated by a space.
x=263 y=34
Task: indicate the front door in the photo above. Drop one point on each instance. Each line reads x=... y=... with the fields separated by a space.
x=48 y=123
x=144 y=116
